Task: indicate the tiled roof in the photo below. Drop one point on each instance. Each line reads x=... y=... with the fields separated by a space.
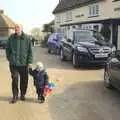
x=70 y=4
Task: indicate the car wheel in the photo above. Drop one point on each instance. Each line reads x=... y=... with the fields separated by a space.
x=57 y=51
x=107 y=81
x=49 y=51
x=62 y=57
x=75 y=60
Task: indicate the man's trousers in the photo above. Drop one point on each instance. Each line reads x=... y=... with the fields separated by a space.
x=16 y=72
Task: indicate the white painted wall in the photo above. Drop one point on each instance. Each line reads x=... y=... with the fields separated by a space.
x=116 y=9
x=107 y=11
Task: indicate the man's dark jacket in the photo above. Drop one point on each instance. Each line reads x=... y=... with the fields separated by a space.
x=19 y=50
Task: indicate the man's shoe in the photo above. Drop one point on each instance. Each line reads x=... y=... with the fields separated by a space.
x=22 y=97
x=16 y=97
x=14 y=100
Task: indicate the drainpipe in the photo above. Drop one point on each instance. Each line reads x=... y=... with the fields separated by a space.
x=111 y=29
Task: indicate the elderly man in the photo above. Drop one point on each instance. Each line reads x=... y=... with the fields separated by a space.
x=20 y=57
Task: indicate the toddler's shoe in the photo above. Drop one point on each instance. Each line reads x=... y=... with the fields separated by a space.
x=41 y=99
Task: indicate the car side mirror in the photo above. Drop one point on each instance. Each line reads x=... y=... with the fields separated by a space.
x=55 y=40
x=117 y=53
x=69 y=40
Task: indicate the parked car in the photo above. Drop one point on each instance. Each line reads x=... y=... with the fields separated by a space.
x=112 y=71
x=85 y=47
x=54 y=42
x=3 y=44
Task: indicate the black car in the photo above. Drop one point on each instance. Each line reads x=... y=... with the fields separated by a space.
x=3 y=44
x=112 y=71
x=85 y=47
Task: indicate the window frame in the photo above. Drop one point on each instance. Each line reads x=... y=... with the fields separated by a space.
x=94 y=10
x=68 y=16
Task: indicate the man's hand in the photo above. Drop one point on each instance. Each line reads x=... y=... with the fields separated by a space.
x=29 y=65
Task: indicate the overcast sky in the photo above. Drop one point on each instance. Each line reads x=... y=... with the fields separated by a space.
x=30 y=13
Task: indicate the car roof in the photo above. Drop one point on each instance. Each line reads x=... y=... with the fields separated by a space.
x=81 y=30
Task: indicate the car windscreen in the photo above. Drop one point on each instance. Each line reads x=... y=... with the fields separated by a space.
x=98 y=36
x=83 y=36
x=87 y=36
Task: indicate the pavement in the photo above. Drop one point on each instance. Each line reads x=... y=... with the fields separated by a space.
x=80 y=95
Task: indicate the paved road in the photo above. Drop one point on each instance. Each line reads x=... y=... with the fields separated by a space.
x=79 y=96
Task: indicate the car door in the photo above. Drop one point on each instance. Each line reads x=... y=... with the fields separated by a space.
x=115 y=70
x=69 y=46
x=64 y=45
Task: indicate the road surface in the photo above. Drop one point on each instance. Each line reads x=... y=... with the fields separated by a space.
x=80 y=95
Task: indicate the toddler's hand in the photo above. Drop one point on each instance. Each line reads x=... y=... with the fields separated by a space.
x=46 y=86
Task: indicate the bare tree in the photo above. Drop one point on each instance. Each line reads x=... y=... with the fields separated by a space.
x=36 y=33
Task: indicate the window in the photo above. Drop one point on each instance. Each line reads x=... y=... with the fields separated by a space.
x=68 y=27
x=96 y=28
x=68 y=16
x=73 y=26
x=90 y=27
x=93 y=10
x=58 y=18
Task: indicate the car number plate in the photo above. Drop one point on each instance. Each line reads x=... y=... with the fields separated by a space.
x=101 y=55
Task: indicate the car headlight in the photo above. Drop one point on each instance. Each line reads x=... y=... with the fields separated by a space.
x=113 y=49
x=114 y=60
x=82 y=49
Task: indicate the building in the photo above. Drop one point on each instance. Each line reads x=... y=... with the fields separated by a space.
x=89 y=14
x=6 y=26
